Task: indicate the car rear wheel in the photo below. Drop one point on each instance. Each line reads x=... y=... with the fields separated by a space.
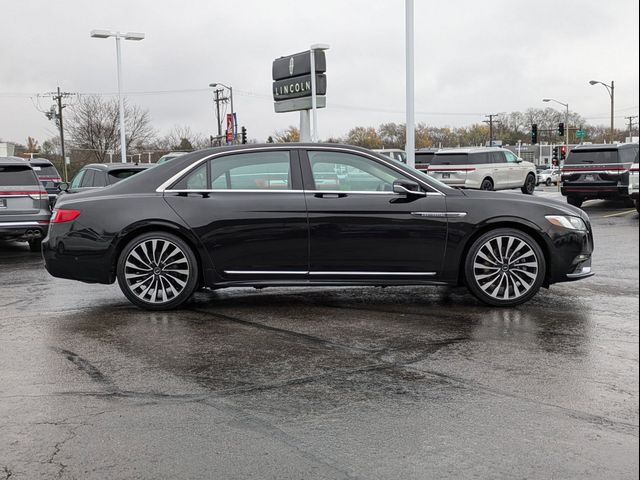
x=487 y=184
x=575 y=201
x=529 y=184
x=157 y=271
x=505 y=267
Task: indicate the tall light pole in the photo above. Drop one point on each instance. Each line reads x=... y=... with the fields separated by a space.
x=118 y=36
x=566 y=118
x=610 y=91
x=234 y=127
x=410 y=145
x=314 y=101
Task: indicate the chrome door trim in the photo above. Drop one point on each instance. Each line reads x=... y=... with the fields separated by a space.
x=398 y=274
x=440 y=214
x=264 y=272
x=230 y=190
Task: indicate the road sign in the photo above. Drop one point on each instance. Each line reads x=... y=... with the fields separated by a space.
x=581 y=133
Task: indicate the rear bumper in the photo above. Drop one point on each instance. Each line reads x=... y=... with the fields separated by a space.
x=24 y=230
x=594 y=191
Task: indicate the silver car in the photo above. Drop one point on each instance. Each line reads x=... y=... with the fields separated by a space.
x=634 y=180
x=547 y=177
x=24 y=203
x=483 y=169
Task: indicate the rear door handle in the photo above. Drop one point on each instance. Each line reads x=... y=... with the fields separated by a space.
x=329 y=195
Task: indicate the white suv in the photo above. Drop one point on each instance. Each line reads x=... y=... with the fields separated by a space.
x=483 y=169
x=634 y=179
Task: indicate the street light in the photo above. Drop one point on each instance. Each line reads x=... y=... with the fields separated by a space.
x=566 y=118
x=233 y=117
x=127 y=36
x=610 y=91
x=314 y=102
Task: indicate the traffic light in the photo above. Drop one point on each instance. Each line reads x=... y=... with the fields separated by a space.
x=554 y=157
x=243 y=135
x=534 y=134
x=563 y=153
x=561 y=129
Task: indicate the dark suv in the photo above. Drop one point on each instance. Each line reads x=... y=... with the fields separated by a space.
x=24 y=203
x=598 y=171
x=100 y=175
x=48 y=175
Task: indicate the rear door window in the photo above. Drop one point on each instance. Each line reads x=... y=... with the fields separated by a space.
x=15 y=175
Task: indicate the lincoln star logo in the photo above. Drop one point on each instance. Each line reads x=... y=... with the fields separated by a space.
x=291 y=66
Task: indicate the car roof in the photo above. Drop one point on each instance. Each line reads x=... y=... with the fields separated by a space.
x=467 y=150
x=118 y=166
x=605 y=146
x=13 y=161
x=39 y=161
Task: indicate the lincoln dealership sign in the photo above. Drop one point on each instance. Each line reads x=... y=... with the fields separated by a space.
x=292 y=81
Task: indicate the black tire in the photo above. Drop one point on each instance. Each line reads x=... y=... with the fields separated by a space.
x=529 y=185
x=504 y=267
x=628 y=202
x=575 y=201
x=35 y=245
x=638 y=205
x=548 y=182
x=157 y=271
x=487 y=184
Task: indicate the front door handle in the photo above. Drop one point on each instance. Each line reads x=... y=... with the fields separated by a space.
x=329 y=195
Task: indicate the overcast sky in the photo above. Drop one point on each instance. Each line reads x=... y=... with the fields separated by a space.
x=471 y=58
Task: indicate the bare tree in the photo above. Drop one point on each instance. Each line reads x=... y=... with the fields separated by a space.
x=291 y=134
x=181 y=137
x=93 y=125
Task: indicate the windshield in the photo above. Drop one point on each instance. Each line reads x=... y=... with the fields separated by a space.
x=48 y=171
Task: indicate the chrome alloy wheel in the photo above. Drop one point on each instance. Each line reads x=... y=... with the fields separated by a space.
x=505 y=268
x=156 y=270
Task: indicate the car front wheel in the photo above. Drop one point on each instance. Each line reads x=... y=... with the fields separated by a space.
x=504 y=267
x=487 y=184
x=575 y=201
x=157 y=271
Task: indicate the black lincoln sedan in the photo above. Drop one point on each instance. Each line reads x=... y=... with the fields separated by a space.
x=310 y=214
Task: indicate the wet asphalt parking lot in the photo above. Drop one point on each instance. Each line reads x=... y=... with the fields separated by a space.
x=324 y=383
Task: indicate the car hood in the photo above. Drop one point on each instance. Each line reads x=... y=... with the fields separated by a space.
x=554 y=207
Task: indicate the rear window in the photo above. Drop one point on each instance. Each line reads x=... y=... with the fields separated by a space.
x=46 y=171
x=116 y=175
x=578 y=157
x=17 y=175
x=451 y=159
x=424 y=158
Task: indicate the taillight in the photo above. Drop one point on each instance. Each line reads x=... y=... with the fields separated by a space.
x=61 y=215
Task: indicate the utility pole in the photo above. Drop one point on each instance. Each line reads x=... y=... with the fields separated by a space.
x=490 y=122
x=218 y=99
x=631 y=123
x=58 y=96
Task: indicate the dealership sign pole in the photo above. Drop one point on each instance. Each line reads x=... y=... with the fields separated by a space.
x=300 y=84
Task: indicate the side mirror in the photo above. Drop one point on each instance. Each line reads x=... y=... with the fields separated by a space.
x=408 y=187
x=63 y=186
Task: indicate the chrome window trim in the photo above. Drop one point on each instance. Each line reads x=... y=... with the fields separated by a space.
x=163 y=186
x=249 y=190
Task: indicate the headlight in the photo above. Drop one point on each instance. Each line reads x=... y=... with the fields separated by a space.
x=571 y=223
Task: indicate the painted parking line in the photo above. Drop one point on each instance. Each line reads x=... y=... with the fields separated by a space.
x=619 y=214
